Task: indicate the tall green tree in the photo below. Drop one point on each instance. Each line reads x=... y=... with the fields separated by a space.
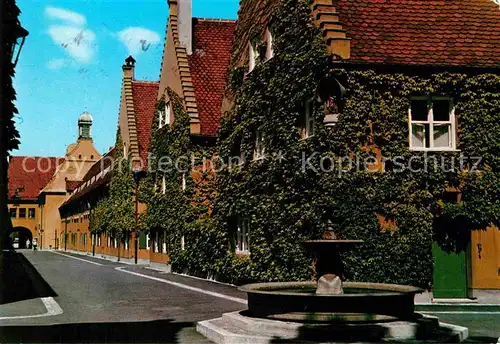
x=9 y=136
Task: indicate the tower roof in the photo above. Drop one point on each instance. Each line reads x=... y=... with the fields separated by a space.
x=85 y=117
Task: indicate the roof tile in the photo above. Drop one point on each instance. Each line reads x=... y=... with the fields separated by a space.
x=446 y=33
x=212 y=42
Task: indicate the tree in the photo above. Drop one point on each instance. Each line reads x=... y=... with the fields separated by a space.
x=9 y=136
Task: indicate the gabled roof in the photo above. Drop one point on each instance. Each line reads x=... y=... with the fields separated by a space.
x=417 y=32
x=99 y=174
x=31 y=174
x=212 y=41
x=144 y=94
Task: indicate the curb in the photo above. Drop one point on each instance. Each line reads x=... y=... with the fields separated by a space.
x=458 y=307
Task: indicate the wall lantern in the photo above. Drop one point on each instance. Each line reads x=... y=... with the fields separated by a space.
x=20 y=34
x=331 y=93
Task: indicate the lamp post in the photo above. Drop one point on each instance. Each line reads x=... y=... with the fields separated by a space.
x=138 y=174
x=20 y=35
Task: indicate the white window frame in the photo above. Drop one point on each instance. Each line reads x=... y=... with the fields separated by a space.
x=309 y=125
x=253 y=56
x=163 y=185
x=243 y=236
x=259 y=151
x=167 y=112
x=269 y=49
x=164 y=242
x=431 y=122
x=160 y=118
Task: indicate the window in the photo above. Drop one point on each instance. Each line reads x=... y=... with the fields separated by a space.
x=269 y=48
x=253 y=56
x=13 y=212
x=242 y=236
x=22 y=213
x=432 y=124
x=259 y=146
x=307 y=124
x=163 y=185
x=31 y=213
x=164 y=115
x=161 y=114
x=167 y=113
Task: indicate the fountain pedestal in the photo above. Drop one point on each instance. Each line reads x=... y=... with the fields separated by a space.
x=328 y=309
x=329 y=264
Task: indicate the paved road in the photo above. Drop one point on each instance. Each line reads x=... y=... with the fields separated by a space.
x=101 y=303
x=104 y=301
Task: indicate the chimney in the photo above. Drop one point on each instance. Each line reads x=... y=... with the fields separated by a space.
x=128 y=68
x=183 y=9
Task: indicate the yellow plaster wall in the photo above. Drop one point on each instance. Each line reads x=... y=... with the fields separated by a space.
x=486 y=258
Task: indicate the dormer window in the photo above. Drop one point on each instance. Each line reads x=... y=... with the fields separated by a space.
x=253 y=56
x=259 y=150
x=307 y=124
x=269 y=48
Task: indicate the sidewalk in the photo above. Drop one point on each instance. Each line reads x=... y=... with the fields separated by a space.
x=482 y=301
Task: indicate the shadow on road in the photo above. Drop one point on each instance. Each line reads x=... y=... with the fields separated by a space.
x=158 y=331
x=20 y=281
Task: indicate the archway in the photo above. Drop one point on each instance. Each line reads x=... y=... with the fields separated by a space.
x=18 y=237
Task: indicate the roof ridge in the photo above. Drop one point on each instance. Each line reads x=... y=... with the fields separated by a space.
x=146 y=82
x=216 y=20
x=35 y=156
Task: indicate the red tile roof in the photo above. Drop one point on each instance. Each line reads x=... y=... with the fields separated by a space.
x=144 y=93
x=31 y=174
x=422 y=32
x=212 y=42
x=71 y=185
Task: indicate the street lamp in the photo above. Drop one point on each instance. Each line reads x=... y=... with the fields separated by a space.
x=138 y=174
x=20 y=35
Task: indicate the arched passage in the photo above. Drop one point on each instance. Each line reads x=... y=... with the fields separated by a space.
x=20 y=236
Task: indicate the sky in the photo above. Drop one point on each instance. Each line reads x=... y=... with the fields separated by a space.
x=71 y=63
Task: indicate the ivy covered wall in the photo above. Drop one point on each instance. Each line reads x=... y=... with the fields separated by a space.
x=286 y=196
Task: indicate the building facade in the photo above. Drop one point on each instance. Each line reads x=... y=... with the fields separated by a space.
x=39 y=185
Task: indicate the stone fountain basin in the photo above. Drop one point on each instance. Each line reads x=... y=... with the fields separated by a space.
x=361 y=302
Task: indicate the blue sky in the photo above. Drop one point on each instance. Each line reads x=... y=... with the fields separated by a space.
x=71 y=62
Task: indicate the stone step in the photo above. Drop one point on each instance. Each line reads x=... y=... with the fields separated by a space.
x=235 y=328
x=220 y=332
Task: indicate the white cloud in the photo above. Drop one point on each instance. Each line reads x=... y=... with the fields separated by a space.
x=138 y=39
x=77 y=42
x=56 y=63
x=68 y=16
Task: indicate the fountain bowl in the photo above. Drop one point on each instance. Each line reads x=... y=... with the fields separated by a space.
x=360 y=302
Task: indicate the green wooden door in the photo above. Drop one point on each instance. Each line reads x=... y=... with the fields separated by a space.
x=450 y=274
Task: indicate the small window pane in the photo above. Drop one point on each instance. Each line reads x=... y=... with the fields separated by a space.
x=441 y=110
x=22 y=213
x=31 y=213
x=418 y=135
x=13 y=212
x=419 y=110
x=442 y=135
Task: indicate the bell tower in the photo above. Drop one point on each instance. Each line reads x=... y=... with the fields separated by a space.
x=84 y=126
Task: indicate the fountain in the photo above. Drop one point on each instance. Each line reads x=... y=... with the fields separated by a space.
x=328 y=309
